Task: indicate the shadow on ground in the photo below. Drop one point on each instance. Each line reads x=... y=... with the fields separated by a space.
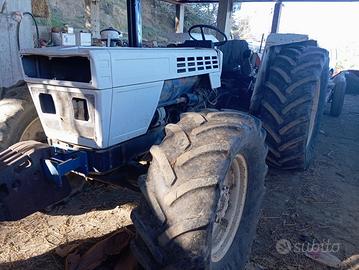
x=79 y=254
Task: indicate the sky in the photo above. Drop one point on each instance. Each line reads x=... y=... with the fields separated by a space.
x=334 y=25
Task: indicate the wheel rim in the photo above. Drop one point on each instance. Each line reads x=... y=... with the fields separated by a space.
x=230 y=208
x=313 y=114
x=33 y=131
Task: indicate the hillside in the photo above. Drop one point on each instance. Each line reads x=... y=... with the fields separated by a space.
x=157 y=16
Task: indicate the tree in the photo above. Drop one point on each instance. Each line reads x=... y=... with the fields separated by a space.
x=240 y=26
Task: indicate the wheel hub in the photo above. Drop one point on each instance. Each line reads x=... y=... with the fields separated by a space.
x=222 y=204
x=230 y=208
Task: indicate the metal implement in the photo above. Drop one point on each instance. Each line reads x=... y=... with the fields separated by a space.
x=62 y=162
x=24 y=188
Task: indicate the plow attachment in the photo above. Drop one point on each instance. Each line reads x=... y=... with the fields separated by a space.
x=24 y=185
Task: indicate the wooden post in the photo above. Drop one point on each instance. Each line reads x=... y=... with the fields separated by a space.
x=179 y=21
x=92 y=15
x=224 y=17
x=276 y=16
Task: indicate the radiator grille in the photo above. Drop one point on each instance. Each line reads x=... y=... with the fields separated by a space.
x=199 y=63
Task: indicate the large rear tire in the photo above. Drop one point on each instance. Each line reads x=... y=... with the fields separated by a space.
x=292 y=104
x=18 y=118
x=204 y=190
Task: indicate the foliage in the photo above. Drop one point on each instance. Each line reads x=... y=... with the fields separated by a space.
x=241 y=28
x=200 y=14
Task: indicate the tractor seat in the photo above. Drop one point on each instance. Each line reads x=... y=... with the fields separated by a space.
x=236 y=56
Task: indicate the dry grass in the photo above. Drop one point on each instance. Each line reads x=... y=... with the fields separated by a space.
x=40 y=8
x=30 y=243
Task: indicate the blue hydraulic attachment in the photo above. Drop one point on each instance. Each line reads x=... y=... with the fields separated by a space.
x=64 y=161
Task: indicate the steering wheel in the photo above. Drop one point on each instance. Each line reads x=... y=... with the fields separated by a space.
x=201 y=27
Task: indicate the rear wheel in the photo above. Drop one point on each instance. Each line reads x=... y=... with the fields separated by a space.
x=338 y=95
x=18 y=118
x=292 y=104
x=204 y=190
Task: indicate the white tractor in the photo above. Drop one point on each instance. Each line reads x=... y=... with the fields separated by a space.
x=103 y=107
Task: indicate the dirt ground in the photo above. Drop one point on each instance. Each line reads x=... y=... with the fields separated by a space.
x=318 y=205
x=315 y=206
x=89 y=216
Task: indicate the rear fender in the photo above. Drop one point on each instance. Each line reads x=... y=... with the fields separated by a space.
x=275 y=39
x=273 y=46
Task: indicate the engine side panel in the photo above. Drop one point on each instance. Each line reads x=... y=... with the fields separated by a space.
x=133 y=108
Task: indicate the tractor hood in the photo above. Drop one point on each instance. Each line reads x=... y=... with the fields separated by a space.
x=103 y=67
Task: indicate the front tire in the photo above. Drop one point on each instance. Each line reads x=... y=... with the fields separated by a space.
x=204 y=190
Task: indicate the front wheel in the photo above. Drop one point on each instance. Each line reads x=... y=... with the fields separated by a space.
x=203 y=192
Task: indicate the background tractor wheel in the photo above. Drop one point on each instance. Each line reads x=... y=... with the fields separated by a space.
x=18 y=118
x=338 y=95
x=292 y=104
x=204 y=190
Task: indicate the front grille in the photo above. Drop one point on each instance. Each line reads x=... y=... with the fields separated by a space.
x=199 y=63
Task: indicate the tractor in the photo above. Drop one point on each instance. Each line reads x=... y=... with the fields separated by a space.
x=180 y=110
